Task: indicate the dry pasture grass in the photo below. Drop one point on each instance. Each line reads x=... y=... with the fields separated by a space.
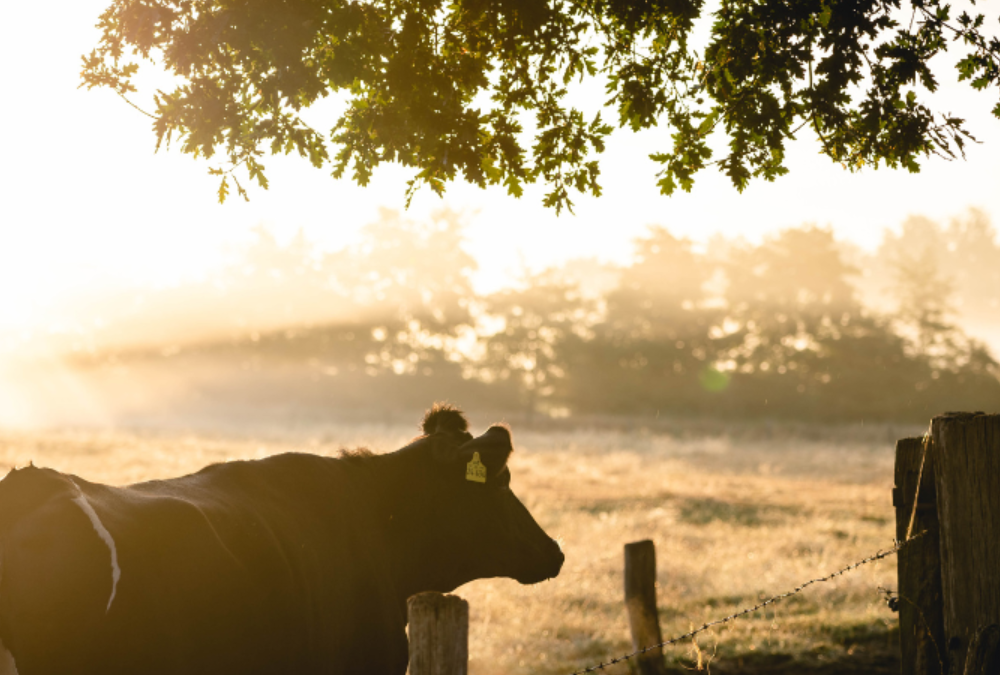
x=735 y=517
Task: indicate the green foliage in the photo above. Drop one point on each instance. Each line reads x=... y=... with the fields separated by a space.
x=478 y=91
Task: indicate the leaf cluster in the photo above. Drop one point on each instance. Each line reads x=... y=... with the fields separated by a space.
x=480 y=90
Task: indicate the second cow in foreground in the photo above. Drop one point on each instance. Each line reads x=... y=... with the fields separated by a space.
x=291 y=564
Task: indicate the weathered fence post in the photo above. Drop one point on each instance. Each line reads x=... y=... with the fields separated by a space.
x=640 y=601
x=439 y=634
x=984 y=652
x=921 y=622
x=966 y=454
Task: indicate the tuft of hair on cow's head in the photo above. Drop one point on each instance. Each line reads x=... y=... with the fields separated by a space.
x=444 y=417
x=446 y=430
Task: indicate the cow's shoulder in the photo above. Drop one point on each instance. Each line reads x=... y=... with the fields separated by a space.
x=23 y=491
x=288 y=474
x=285 y=491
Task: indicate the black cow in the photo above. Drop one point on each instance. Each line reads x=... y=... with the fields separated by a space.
x=293 y=564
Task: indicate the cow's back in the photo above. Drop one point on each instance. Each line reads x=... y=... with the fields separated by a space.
x=266 y=566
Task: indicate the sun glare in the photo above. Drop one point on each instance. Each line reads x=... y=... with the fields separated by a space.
x=46 y=393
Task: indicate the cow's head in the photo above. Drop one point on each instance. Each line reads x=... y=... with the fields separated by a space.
x=464 y=521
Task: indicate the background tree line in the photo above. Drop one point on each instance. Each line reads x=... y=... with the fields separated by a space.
x=797 y=326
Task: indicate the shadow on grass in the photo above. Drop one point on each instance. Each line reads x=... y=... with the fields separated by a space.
x=875 y=653
x=859 y=650
x=703 y=511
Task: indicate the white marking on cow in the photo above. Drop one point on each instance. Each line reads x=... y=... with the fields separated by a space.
x=7 y=664
x=102 y=532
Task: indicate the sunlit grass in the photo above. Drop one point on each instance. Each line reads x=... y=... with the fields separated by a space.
x=735 y=516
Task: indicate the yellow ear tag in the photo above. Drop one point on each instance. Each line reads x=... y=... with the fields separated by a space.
x=475 y=470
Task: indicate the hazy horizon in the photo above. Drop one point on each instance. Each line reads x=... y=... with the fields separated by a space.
x=291 y=326
x=98 y=314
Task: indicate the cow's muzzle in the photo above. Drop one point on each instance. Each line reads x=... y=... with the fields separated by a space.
x=546 y=565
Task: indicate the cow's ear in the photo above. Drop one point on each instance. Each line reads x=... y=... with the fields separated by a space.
x=444 y=417
x=493 y=447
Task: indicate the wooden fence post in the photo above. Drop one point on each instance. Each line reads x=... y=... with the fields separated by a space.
x=439 y=634
x=966 y=452
x=640 y=601
x=984 y=652
x=921 y=622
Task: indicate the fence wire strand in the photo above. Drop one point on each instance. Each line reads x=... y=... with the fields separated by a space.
x=750 y=610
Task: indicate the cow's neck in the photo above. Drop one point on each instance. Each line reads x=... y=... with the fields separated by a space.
x=399 y=485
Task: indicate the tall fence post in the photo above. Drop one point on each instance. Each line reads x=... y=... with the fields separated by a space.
x=966 y=454
x=921 y=622
x=640 y=601
x=439 y=634
x=984 y=652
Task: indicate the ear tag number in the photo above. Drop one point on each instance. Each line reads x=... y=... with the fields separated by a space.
x=475 y=470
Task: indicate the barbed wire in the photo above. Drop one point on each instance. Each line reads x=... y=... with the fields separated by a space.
x=761 y=605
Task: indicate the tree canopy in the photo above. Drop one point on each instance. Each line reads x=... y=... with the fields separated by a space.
x=481 y=90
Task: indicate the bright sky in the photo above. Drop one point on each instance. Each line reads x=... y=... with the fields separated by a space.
x=86 y=203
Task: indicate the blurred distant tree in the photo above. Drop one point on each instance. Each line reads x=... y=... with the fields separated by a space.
x=926 y=317
x=265 y=284
x=658 y=292
x=742 y=330
x=923 y=293
x=479 y=90
x=917 y=235
x=786 y=299
x=417 y=271
x=653 y=344
x=411 y=285
x=799 y=269
x=272 y=284
x=780 y=333
x=807 y=343
x=265 y=257
x=974 y=252
x=533 y=326
x=594 y=278
x=958 y=268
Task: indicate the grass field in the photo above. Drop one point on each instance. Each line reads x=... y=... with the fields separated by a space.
x=737 y=514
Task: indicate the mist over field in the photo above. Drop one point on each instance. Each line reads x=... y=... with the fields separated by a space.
x=799 y=326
